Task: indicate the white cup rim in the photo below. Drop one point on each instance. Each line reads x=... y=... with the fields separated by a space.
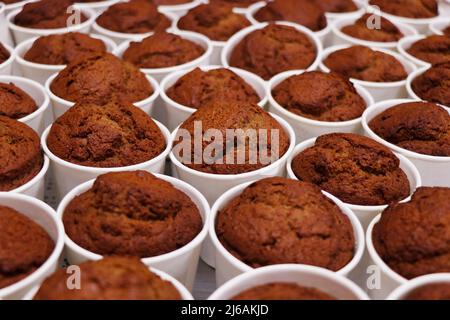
x=406 y=288
x=12 y=56
x=35 y=180
x=411 y=21
x=405 y=43
x=435 y=27
x=181 y=6
x=96 y=4
x=411 y=78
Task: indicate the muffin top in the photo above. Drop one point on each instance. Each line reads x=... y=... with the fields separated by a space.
x=4 y=54
x=433 y=49
x=21 y=158
x=112 y=278
x=60 y=49
x=14 y=102
x=100 y=78
x=162 y=50
x=217 y=21
x=354 y=168
x=272 y=50
x=435 y=291
x=320 y=96
x=236 y=3
x=413 y=238
x=365 y=64
x=170 y=2
x=198 y=88
x=250 y=138
x=337 y=6
x=136 y=16
x=417 y=9
x=446 y=31
x=282 y=291
x=304 y=12
x=421 y=127
x=388 y=32
x=111 y=135
x=434 y=84
x=279 y=220
x=24 y=246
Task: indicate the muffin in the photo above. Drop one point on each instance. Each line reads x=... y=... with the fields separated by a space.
x=236 y=3
x=282 y=291
x=14 y=102
x=421 y=127
x=337 y=6
x=413 y=238
x=304 y=12
x=4 y=54
x=354 y=168
x=256 y=139
x=279 y=220
x=21 y=158
x=446 y=31
x=11 y=1
x=388 y=32
x=434 y=84
x=112 y=278
x=416 y=9
x=365 y=64
x=162 y=50
x=170 y=2
x=61 y=49
x=320 y=96
x=99 y=79
x=136 y=16
x=435 y=291
x=433 y=49
x=111 y=135
x=25 y=246
x=198 y=88
x=217 y=21
x=272 y=50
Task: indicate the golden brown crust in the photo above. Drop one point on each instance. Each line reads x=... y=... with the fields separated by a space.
x=14 y=102
x=282 y=291
x=434 y=84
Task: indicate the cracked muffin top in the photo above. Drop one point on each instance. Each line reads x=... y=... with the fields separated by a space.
x=417 y=9
x=217 y=21
x=320 y=96
x=282 y=291
x=413 y=238
x=133 y=214
x=236 y=3
x=388 y=32
x=24 y=246
x=112 y=278
x=433 y=49
x=112 y=135
x=434 y=84
x=279 y=220
x=434 y=291
x=198 y=88
x=272 y=50
x=354 y=168
x=337 y=6
x=365 y=64
x=4 y=54
x=421 y=127
x=14 y=102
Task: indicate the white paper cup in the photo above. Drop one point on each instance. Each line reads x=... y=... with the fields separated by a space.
x=98 y=6
x=6 y=67
x=228 y=266
x=303 y=275
x=180 y=263
x=45 y=216
x=161 y=73
x=365 y=214
x=379 y=90
x=41 y=72
x=68 y=175
x=407 y=288
x=361 y=4
x=5 y=36
x=433 y=170
x=406 y=43
x=308 y=128
x=178 y=113
x=180 y=9
x=438 y=26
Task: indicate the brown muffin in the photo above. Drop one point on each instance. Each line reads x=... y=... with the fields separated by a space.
x=435 y=291
x=365 y=64
x=4 y=54
x=24 y=246
x=421 y=127
x=170 y=2
x=11 y=1
x=111 y=135
x=162 y=50
x=217 y=21
x=112 y=278
x=433 y=49
x=337 y=6
x=434 y=84
x=272 y=50
x=21 y=158
x=413 y=238
x=282 y=291
x=354 y=168
x=46 y=14
x=446 y=31
x=136 y=16
x=320 y=96
x=417 y=9
x=234 y=153
x=60 y=49
x=198 y=88
x=279 y=220
x=14 y=102
x=388 y=32
x=99 y=79
x=304 y=12
x=236 y=3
